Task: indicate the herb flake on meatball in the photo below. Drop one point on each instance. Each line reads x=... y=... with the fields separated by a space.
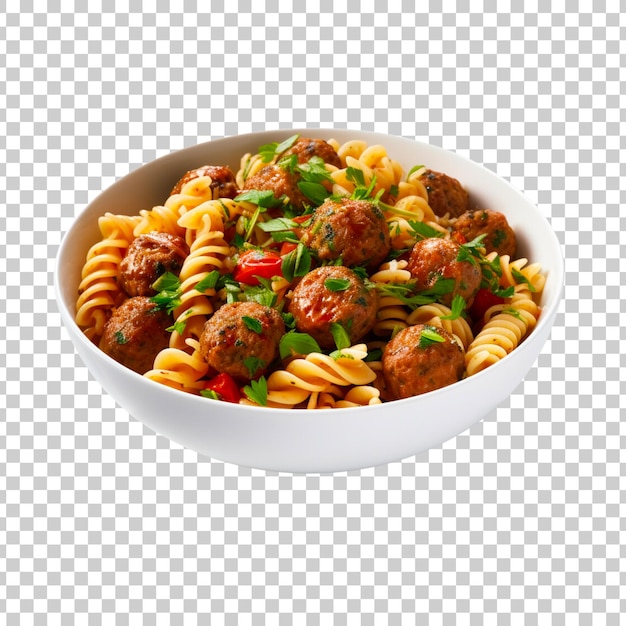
x=241 y=339
x=354 y=231
x=332 y=296
x=135 y=333
x=419 y=359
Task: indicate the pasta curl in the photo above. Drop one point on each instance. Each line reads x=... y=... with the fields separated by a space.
x=434 y=314
x=505 y=327
x=178 y=369
x=99 y=291
x=318 y=373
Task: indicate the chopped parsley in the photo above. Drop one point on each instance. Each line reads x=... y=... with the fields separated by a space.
x=405 y=292
x=315 y=192
x=120 y=338
x=277 y=224
x=429 y=336
x=256 y=391
x=253 y=324
x=254 y=364
x=297 y=263
x=261 y=197
x=336 y=284
x=340 y=335
x=520 y=278
x=414 y=169
x=421 y=230
x=209 y=393
x=209 y=281
x=177 y=327
x=169 y=292
x=271 y=150
x=456 y=309
x=294 y=343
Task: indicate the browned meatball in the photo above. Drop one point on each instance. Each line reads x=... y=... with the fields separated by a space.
x=241 y=339
x=499 y=236
x=149 y=256
x=333 y=294
x=135 y=333
x=445 y=194
x=281 y=181
x=419 y=359
x=222 y=180
x=434 y=258
x=354 y=230
x=306 y=148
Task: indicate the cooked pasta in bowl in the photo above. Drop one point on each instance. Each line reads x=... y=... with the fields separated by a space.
x=310 y=300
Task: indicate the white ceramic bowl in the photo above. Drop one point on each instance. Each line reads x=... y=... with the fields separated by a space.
x=298 y=440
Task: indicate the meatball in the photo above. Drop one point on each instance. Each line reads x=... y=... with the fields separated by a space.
x=135 y=333
x=306 y=148
x=281 y=182
x=354 y=231
x=241 y=339
x=419 y=359
x=446 y=195
x=333 y=294
x=434 y=258
x=499 y=236
x=147 y=257
x=222 y=180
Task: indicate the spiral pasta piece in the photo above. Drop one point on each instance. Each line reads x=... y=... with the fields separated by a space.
x=318 y=373
x=392 y=313
x=164 y=218
x=360 y=396
x=530 y=274
x=506 y=326
x=372 y=161
x=98 y=290
x=178 y=369
x=433 y=314
x=207 y=253
x=249 y=165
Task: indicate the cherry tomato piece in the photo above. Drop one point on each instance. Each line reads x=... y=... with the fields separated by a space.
x=484 y=300
x=257 y=263
x=458 y=237
x=287 y=247
x=225 y=387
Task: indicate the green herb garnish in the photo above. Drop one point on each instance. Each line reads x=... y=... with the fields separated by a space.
x=336 y=284
x=421 y=230
x=456 y=309
x=297 y=263
x=277 y=224
x=315 y=192
x=256 y=391
x=209 y=393
x=253 y=324
x=340 y=335
x=429 y=336
x=168 y=291
x=271 y=150
x=294 y=343
x=261 y=197
x=253 y=364
x=209 y=281
x=521 y=279
x=414 y=169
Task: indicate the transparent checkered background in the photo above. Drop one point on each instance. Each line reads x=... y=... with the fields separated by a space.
x=519 y=520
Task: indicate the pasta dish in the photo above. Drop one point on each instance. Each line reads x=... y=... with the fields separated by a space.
x=316 y=275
